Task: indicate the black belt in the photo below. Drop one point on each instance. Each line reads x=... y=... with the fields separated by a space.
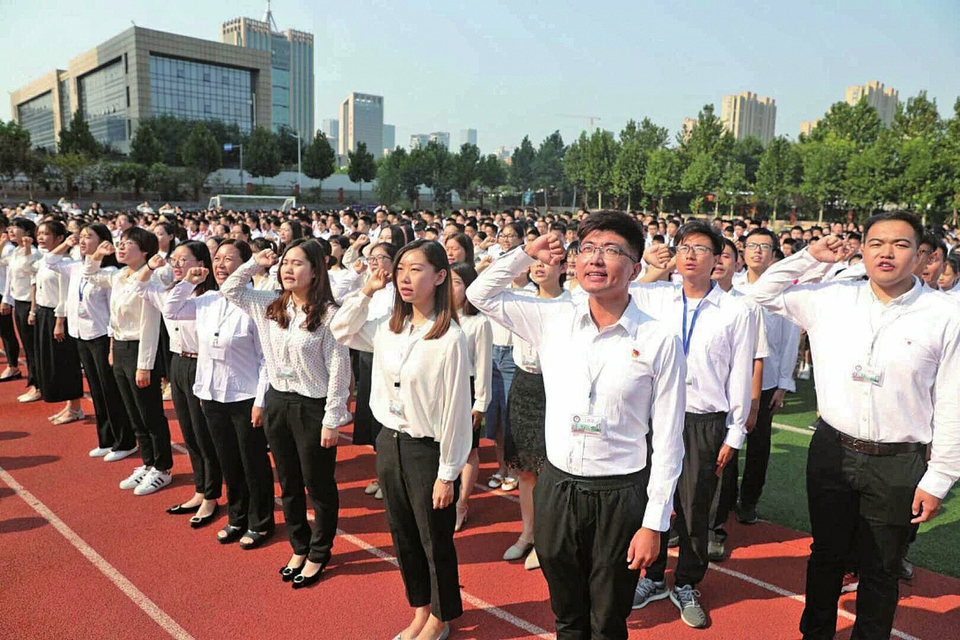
x=184 y=354
x=875 y=448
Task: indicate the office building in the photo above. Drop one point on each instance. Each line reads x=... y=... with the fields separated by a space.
x=807 y=126
x=389 y=138
x=291 y=63
x=883 y=99
x=687 y=130
x=331 y=127
x=468 y=136
x=139 y=74
x=442 y=138
x=747 y=115
x=361 y=120
x=419 y=141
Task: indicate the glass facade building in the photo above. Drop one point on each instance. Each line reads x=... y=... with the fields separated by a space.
x=103 y=102
x=280 y=80
x=36 y=116
x=200 y=91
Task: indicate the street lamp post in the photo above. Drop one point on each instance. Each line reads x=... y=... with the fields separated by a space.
x=297 y=136
x=230 y=147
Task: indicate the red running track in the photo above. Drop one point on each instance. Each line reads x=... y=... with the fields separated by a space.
x=79 y=558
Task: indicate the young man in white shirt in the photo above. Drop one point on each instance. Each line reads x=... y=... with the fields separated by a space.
x=719 y=337
x=888 y=363
x=614 y=386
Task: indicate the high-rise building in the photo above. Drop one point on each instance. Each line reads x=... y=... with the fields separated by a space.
x=883 y=99
x=139 y=74
x=468 y=136
x=688 y=125
x=291 y=62
x=747 y=115
x=389 y=138
x=807 y=126
x=441 y=137
x=361 y=120
x=419 y=141
x=331 y=127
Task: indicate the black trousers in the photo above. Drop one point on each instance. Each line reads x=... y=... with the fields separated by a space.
x=583 y=531
x=859 y=504
x=8 y=334
x=113 y=424
x=58 y=364
x=207 y=478
x=758 y=453
x=21 y=313
x=242 y=451
x=703 y=436
x=423 y=536
x=366 y=427
x=144 y=406
x=293 y=423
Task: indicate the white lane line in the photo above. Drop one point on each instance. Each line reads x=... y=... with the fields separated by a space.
x=167 y=623
x=787 y=427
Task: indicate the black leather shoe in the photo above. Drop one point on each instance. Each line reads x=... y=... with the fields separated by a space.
x=289 y=573
x=16 y=376
x=906 y=569
x=302 y=581
x=180 y=510
x=233 y=534
x=257 y=539
x=197 y=522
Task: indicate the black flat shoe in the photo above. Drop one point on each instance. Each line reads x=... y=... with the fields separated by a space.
x=302 y=581
x=197 y=522
x=257 y=539
x=16 y=376
x=180 y=510
x=289 y=573
x=233 y=534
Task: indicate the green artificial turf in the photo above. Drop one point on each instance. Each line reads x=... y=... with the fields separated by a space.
x=784 y=498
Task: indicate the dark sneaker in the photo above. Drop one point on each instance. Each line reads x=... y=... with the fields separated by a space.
x=648 y=591
x=747 y=514
x=716 y=551
x=687 y=600
x=906 y=569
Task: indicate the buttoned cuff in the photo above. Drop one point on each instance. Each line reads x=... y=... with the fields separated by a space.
x=935 y=483
x=336 y=418
x=657 y=516
x=480 y=406
x=735 y=437
x=448 y=472
x=787 y=384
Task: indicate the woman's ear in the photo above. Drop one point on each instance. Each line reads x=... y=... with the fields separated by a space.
x=441 y=276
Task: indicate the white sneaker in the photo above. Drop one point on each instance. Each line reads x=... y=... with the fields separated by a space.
x=115 y=455
x=153 y=482
x=133 y=480
x=99 y=452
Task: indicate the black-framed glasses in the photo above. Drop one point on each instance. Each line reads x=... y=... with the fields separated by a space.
x=698 y=250
x=610 y=251
x=759 y=246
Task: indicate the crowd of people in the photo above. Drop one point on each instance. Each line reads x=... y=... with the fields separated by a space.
x=619 y=362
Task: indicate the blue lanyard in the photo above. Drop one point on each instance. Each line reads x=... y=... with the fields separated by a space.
x=83 y=283
x=693 y=321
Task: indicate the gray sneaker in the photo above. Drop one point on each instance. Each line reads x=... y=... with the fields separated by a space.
x=648 y=591
x=687 y=600
x=716 y=551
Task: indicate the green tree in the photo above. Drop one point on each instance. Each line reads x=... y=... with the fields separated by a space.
x=389 y=185
x=440 y=167
x=708 y=137
x=165 y=181
x=732 y=185
x=628 y=171
x=574 y=166
x=319 y=159
x=859 y=124
x=171 y=131
x=522 y=174
x=548 y=165
x=414 y=171
x=748 y=153
x=778 y=172
x=146 y=148
x=77 y=139
x=919 y=117
x=872 y=176
x=363 y=167
x=262 y=157
x=662 y=177
x=952 y=150
x=287 y=141
x=465 y=170
x=201 y=154
x=824 y=167
x=701 y=177
x=490 y=174
x=600 y=155
x=15 y=151
x=123 y=175
x=72 y=169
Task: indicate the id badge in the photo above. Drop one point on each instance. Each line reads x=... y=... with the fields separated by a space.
x=285 y=372
x=396 y=407
x=586 y=424
x=82 y=312
x=529 y=360
x=218 y=353
x=869 y=374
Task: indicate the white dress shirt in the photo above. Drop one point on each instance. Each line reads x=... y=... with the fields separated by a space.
x=783 y=344
x=51 y=288
x=87 y=305
x=721 y=350
x=310 y=363
x=22 y=274
x=343 y=282
x=230 y=362
x=6 y=252
x=524 y=354
x=183 y=333
x=631 y=375
x=912 y=342
x=479 y=336
x=418 y=387
x=130 y=318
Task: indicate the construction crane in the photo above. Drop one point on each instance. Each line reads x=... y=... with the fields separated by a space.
x=593 y=119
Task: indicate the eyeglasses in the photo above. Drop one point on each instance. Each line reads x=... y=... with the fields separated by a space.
x=508 y=236
x=379 y=259
x=759 y=246
x=180 y=262
x=698 y=250
x=610 y=251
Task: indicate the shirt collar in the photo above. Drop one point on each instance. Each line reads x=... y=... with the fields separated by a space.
x=713 y=296
x=628 y=321
x=903 y=299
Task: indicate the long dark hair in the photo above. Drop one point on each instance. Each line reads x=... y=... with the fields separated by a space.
x=443 y=303
x=172 y=232
x=242 y=248
x=201 y=253
x=319 y=296
x=296 y=231
x=55 y=227
x=105 y=235
x=468 y=274
x=464 y=241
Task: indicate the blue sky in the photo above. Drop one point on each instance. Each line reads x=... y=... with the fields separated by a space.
x=511 y=68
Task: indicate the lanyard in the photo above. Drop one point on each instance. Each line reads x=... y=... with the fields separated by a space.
x=408 y=349
x=83 y=283
x=221 y=318
x=693 y=321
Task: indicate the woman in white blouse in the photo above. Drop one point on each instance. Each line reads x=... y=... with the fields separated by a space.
x=58 y=363
x=21 y=278
x=230 y=382
x=207 y=477
x=135 y=327
x=479 y=336
x=306 y=403
x=88 y=320
x=11 y=346
x=421 y=395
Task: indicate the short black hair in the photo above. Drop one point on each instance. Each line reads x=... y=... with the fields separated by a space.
x=700 y=228
x=616 y=222
x=892 y=216
x=762 y=231
x=727 y=242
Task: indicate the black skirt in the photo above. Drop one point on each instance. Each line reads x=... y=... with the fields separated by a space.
x=58 y=363
x=525 y=446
